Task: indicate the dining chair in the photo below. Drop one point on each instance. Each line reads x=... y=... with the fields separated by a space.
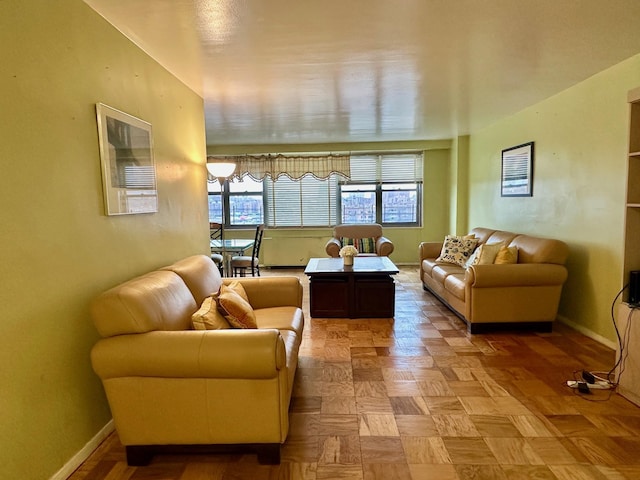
x=215 y=233
x=241 y=263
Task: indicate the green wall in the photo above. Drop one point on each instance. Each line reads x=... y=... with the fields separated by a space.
x=579 y=186
x=57 y=248
x=294 y=247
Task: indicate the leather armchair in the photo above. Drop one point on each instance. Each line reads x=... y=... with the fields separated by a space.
x=383 y=246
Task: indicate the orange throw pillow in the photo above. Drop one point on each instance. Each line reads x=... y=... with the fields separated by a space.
x=235 y=309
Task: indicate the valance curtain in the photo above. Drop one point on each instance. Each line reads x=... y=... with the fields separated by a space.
x=292 y=166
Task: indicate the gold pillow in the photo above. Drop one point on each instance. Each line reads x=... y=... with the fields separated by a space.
x=489 y=252
x=236 y=286
x=506 y=255
x=208 y=317
x=235 y=309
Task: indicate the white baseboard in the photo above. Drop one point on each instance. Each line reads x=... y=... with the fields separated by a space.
x=589 y=333
x=77 y=460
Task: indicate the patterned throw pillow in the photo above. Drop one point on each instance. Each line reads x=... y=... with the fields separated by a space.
x=363 y=245
x=235 y=309
x=208 y=317
x=456 y=250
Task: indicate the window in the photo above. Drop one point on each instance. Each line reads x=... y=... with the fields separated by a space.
x=358 y=203
x=244 y=204
x=386 y=203
x=384 y=188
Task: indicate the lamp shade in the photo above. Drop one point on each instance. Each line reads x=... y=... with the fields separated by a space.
x=220 y=169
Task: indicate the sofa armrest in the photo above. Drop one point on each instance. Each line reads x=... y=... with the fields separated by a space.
x=231 y=353
x=333 y=247
x=384 y=247
x=429 y=250
x=518 y=274
x=271 y=291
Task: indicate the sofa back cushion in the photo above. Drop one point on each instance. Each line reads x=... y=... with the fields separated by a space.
x=500 y=236
x=482 y=234
x=200 y=275
x=159 y=300
x=530 y=249
x=540 y=250
x=366 y=230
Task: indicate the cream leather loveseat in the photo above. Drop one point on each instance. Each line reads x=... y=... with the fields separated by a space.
x=168 y=384
x=525 y=293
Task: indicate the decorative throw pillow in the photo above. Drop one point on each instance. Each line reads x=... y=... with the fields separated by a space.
x=456 y=250
x=507 y=255
x=489 y=252
x=473 y=259
x=235 y=309
x=208 y=317
x=363 y=245
x=237 y=287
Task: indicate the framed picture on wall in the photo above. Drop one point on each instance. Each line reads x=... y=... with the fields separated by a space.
x=517 y=171
x=128 y=166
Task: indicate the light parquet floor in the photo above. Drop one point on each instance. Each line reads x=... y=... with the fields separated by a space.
x=417 y=397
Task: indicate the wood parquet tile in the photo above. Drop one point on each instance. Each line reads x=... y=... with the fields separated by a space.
x=418 y=398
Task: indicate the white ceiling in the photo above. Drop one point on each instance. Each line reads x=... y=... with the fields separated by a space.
x=304 y=71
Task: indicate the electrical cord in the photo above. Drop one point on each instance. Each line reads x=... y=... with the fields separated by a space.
x=620 y=342
x=623 y=345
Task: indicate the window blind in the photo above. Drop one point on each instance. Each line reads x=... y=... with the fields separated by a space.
x=307 y=202
x=393 y=167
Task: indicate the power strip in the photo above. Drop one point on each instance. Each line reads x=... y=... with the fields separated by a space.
x=598 y=385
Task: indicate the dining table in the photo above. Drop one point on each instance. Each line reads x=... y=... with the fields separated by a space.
x=230 y=247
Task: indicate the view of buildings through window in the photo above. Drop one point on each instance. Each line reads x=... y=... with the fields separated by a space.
x=243 y=202
x=318 y=203
x=359 y=203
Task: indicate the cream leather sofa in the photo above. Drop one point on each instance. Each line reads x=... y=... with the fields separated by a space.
x=170 y=385
x=382 y=245
x=526 y=293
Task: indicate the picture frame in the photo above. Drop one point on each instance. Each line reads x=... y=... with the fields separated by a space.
x=517 y=171
x=127 y=162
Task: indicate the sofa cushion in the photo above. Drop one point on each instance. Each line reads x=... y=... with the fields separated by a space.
x=200 y=275
x=540 y=250
x=158 y=300
x=455 y=284
x=501 y=236
x=442 y=271
x=457 y=250
x=235 y=309
x=208 y=317
x=507 y=255
x=482 y=234
x=357 y=230
x=428 y=265
x=282 y=318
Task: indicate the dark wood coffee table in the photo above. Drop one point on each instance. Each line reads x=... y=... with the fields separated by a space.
x=364 y=290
